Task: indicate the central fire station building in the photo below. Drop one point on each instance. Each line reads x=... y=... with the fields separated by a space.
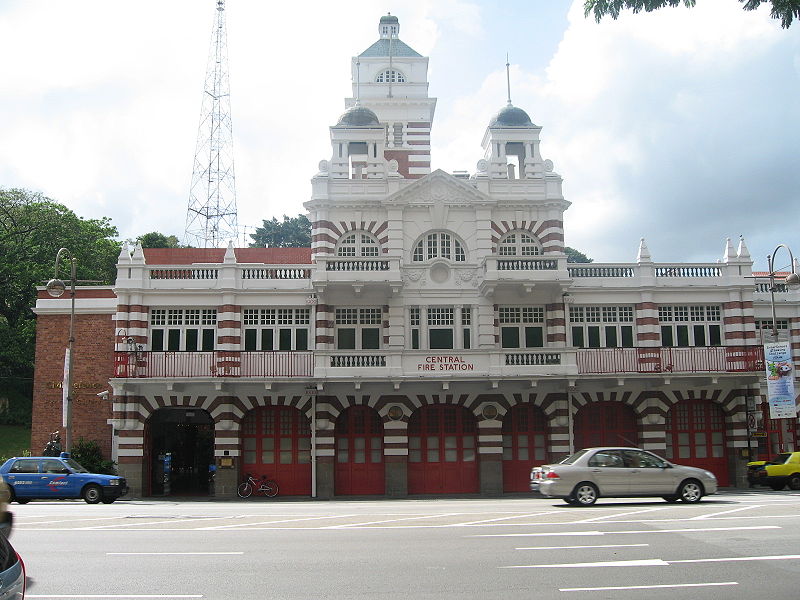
x=433 y=340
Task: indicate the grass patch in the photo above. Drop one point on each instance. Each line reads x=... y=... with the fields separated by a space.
x=14 y=440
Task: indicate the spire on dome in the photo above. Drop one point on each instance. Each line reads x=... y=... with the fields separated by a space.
x=230 y=255
x=742 y=252
x=138 y=254
x=124 y=253
x=644 y=252
x=729 y=252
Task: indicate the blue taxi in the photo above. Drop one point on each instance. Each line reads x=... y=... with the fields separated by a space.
x=49 y=477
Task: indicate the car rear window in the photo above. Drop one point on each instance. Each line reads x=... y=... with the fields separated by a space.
x=572 y=457
x=25 y=465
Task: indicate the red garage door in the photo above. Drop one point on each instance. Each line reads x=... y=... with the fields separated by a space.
x=442 y=457
x=696 y=437
x=605 y=424
x=277 y=442
x=524 y=446
x=359 y=452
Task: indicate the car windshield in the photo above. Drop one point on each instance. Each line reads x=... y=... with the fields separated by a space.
x=782 y=458
x=572 y=457
x=75 y=466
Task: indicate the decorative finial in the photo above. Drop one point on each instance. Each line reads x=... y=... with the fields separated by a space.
x=358 y=82
x=508 y=79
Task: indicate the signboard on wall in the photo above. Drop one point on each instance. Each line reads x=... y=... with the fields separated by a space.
x=780 y=380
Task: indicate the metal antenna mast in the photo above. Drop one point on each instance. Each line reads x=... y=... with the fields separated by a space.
x=211 y=218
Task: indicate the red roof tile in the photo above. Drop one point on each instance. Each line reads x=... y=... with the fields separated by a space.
x=190 y=256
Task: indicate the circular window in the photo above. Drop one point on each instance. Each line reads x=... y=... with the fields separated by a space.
x=489 y=411
x=395 y=413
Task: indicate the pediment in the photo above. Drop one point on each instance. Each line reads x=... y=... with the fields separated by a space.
x=439 y=188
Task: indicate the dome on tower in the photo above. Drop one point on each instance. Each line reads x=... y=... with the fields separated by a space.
x=390 y=18
x=358 y=116
x=511 y=116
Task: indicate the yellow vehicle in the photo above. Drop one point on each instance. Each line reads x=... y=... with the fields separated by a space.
x=777 y=473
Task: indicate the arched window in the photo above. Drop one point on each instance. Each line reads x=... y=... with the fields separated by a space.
x=519 y=244
x=390 y=76
x=357 y=244
x=439 y=245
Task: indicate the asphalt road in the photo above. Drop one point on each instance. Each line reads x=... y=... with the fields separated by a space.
x=741 y=544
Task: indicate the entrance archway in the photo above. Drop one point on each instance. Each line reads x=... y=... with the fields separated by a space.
x=179 y=446
x=524 y=445
x=359 y=452
x=696 y=436
x=605 y=424
x=276 y=442
x=442 y=456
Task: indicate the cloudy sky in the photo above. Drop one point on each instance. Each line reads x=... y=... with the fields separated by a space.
x=680 y=126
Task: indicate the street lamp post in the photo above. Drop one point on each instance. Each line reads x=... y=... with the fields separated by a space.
x=56 y=288
x=792 y=281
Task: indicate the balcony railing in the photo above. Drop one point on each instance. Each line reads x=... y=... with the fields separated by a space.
x=712 y=359
x=219 y=363
x=527 y=264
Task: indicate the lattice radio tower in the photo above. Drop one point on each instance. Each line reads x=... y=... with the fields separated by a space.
x=211 y=217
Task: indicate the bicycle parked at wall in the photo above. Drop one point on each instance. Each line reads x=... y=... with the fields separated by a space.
x=266 y=487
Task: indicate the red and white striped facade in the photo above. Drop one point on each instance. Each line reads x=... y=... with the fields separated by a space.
x=443 y=306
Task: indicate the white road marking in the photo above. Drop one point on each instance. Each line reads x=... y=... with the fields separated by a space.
x=72 y=520
x=725 y=512
x=348 y=525
x=635 y=512
x=740 y=558
x=646 y=562
x=579 y=547
x=647 y=587
x=652 y=562
x=222 y=527
x=125 y=596
x=176 y=519
x=683 y=530
x=520 y=516
x=170 y=553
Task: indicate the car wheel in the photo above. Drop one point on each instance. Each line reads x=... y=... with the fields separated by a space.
x=794 y=482
x=671 y=499
x=690 y=491
x=92 y=494
x=585 y=494
x=777 y=486
x=18 y=500
x=569 y=500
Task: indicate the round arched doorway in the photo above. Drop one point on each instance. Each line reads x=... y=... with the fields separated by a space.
x=179 y=449
x=276 y=442
x=696 y=436
x=359 y=452
x=524 y=445
x=605 y=424
x=442 y=456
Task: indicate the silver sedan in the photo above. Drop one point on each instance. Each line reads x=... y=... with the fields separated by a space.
x=592 y=473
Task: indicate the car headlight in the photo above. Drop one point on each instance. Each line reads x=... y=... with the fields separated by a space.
x=710 y=475
x=114 y=482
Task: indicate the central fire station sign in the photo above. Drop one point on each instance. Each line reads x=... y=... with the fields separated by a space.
x=445 y=363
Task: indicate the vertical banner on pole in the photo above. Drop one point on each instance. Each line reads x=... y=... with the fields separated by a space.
x=780 y=380
x=65 y=389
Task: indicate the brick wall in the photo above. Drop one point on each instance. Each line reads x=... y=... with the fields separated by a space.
x=93 y=366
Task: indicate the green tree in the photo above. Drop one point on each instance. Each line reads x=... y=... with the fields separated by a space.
x=291 y=233
x=154 y=239
x=575 y=256
x=32 y=229
x=785 y=10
